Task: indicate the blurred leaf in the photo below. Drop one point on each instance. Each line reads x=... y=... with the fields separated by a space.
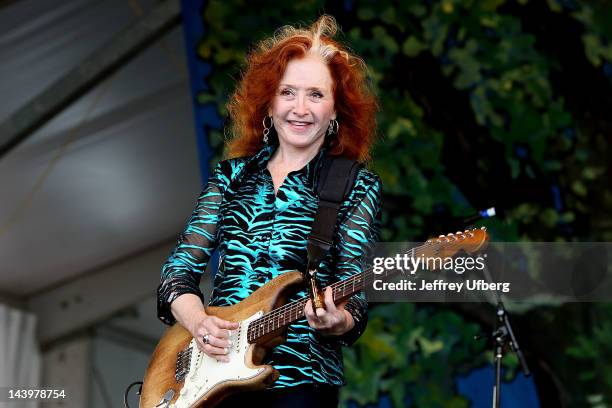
x=412 y=46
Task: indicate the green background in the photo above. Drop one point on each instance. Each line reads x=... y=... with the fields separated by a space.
x=492 y=102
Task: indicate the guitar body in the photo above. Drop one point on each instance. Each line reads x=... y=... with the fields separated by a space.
x=192 y=379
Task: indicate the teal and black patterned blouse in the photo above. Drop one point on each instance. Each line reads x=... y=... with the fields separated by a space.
x=261 y=235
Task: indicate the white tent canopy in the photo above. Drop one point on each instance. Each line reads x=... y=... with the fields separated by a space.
x=129 y=175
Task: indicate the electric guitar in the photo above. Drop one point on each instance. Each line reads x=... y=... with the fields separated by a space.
x=179 y=375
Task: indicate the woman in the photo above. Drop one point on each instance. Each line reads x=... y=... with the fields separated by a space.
x=301 y=97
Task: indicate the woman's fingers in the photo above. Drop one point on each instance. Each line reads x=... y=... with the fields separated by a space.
x=224 y=324
x=328 y=320
x=214 y=351
x=308 y=310
x=222 y=342
x=217 y=333
x=218 y=327
x=311 y=316
x=328 y=299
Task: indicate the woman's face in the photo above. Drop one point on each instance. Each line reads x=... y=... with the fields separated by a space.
x=304 y=103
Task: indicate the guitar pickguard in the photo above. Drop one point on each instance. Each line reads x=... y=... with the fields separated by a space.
x=204 y=372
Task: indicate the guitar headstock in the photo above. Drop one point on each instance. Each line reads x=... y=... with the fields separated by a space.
x=470 y=241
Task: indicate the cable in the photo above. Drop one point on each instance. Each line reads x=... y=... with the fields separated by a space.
x=127 y=392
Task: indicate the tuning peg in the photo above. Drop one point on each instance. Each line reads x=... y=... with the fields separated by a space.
x=483 y=228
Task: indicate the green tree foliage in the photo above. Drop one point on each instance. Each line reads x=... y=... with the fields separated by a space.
x=406 y=353
x=483 y=102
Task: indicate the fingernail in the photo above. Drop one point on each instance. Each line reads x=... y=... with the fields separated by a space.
x=230 y=343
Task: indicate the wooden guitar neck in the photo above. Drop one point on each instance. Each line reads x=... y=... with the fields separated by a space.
x=445 y=245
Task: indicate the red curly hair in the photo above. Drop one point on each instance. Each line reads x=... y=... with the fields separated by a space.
x=355 y=103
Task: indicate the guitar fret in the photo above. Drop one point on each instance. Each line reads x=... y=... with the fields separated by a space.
x=340 y=290
x=293 y=311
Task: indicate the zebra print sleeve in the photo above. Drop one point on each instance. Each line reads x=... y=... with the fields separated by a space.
x=358 y=233
x=183 y=270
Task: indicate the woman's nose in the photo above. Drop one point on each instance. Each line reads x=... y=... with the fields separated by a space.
x=300 y=107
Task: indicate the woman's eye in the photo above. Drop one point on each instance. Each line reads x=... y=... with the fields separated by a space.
x=285 y=92
x=317 y=94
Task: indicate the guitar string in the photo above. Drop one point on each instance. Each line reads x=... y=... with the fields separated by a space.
x=260 y=323
x=282 y=317
x=286 y=312
x=258 y=326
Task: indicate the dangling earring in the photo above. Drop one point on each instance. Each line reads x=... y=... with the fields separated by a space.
x=266 y=129
x=333 y=128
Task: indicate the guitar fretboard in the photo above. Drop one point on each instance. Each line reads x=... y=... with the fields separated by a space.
x=289 y=313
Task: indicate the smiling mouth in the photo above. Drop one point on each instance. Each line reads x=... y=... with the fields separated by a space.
x=298 y=123
x=298 y=126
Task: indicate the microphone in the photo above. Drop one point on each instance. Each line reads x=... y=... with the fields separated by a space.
x=480 y=215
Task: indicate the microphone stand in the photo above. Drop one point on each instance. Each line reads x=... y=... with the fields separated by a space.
x=502 y=334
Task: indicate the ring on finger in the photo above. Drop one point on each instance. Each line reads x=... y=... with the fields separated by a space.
x=206 y=338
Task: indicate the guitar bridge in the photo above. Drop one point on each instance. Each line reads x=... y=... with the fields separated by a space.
x=183 y=361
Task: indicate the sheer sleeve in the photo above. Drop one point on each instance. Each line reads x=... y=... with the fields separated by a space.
x=183 y=270
x=357 y=234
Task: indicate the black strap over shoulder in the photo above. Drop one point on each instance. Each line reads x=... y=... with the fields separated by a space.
x=336 y=180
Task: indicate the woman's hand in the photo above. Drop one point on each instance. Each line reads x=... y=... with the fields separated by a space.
x=189 y=312
x=217 y=331
x=334 y=320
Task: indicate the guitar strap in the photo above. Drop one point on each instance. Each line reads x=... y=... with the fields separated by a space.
x=335 y=182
